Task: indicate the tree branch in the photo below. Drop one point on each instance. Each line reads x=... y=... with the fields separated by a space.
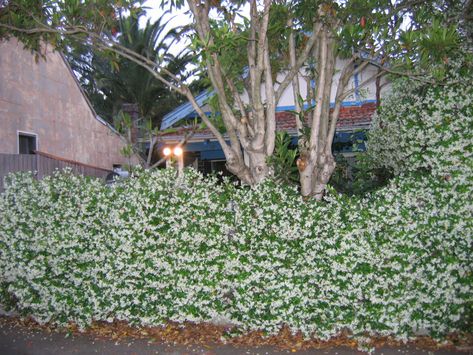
x=270 y=133
x=414 y=76
x=317 y=113
x=300 y=62
x=345 y=76
x=215 y=72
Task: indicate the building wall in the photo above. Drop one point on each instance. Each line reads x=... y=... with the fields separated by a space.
x=44 y=98
x=363 y=93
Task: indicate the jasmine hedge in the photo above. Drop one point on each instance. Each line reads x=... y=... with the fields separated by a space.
x=396 y=262
x=150 y=249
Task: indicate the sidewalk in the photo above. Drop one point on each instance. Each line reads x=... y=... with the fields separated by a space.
x=15 y=340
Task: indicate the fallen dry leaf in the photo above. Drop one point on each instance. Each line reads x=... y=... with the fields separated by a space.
x=209 y=335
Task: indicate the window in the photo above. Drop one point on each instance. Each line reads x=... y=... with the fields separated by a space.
x=26 y=143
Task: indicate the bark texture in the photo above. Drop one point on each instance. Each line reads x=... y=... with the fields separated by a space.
x=250 y=129
x=317 y=163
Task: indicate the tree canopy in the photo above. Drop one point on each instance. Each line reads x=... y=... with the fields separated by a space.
x=111 y=83
x=241 y=46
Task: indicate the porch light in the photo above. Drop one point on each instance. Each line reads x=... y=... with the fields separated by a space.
x=167 y=151
x=178 y=151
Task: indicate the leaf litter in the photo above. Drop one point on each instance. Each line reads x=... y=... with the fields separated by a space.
x=209 y=335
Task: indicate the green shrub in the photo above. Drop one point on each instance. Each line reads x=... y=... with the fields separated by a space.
x=424 y=127
x=149 y=250
x=283 y=160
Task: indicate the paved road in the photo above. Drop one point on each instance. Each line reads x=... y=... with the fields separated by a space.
x=23 y=341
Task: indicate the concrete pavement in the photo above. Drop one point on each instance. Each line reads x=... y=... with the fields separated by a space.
x=17 y=340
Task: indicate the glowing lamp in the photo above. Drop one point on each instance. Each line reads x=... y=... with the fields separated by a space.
x=178 y=151
x=167 y=151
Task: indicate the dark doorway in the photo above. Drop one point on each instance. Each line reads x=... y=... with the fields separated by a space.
x=26 y=143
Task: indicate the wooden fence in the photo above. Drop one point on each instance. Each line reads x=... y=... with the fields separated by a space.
x=43 y=165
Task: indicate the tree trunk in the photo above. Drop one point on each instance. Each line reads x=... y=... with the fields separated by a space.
x=317 y=163
x=324 y=171
x=251 y=129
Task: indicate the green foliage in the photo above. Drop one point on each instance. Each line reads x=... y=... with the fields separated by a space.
x=215 y=115
x=421 y=128
x=356 y=175
x=283 y=160
x=111 y=81
x=304 y=132
x=127 y=151
x=122 y=122
x=148 y=250
x=229 y=44
x=426 y=127
x=342 y=179
x=94 y=16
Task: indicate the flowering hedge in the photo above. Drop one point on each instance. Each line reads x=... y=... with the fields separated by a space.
x=426 y=127
x=151 y=249
x=396 y=262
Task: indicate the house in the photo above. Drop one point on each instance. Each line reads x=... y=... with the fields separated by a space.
x=43 y=111
x=204 y=152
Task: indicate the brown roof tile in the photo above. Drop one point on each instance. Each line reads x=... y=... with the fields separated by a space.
x=350 y=116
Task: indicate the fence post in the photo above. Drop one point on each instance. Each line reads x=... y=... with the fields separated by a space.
x=36 y=168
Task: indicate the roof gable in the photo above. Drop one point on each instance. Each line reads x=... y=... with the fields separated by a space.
x=185 y=110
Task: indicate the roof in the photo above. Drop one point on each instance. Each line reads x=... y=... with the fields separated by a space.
x=84 y=95
x=185 y=110
x=351 y=117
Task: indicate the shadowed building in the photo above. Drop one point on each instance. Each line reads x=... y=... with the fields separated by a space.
x=44 y=111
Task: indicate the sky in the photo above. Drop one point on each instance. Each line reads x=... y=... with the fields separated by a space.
x=178 y=18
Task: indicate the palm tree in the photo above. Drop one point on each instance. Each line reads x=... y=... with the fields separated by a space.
x=111 y=82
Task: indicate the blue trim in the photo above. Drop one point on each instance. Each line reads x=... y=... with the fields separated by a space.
x=187 y=111
x=344 y=104
x=184 y=110
x=355 y=103
x=209 y=150
x=343 y=142
x=212 y=155
x=357 y=85
x=205 y=146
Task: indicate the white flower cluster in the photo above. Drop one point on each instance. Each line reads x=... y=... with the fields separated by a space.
x=149 y=250
x=425 y=127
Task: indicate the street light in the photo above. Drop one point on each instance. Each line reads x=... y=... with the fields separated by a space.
x=179 y=154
